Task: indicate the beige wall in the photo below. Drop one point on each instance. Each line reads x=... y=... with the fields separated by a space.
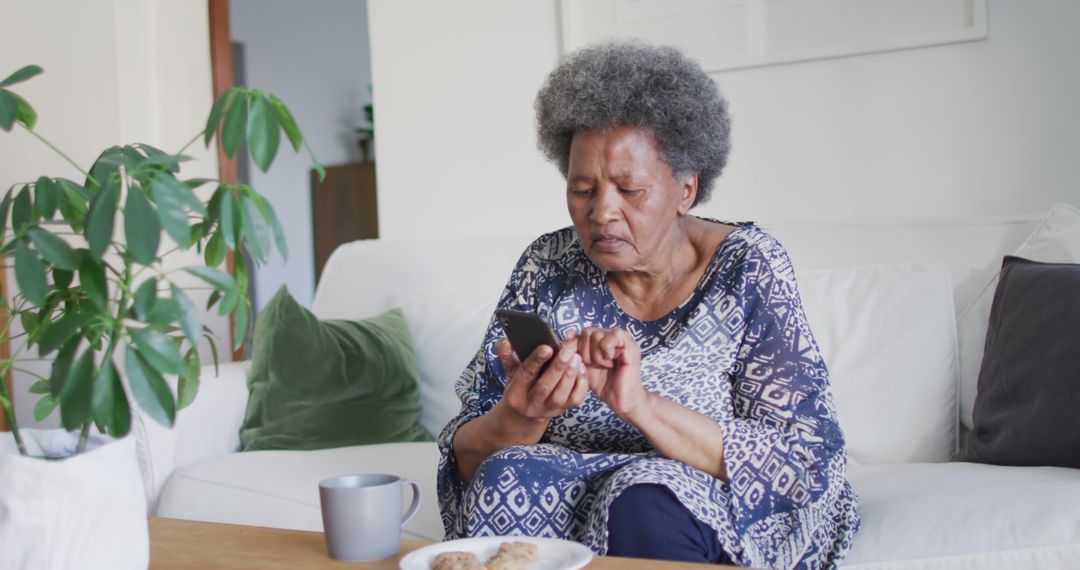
x=116 y=72
x=986 y=128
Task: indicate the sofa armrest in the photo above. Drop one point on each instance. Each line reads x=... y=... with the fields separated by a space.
x=209 y=427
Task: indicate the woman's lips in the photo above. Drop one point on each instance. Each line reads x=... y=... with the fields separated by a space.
x=608 y=244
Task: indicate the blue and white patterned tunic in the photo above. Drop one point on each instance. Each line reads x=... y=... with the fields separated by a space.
x=739 y=350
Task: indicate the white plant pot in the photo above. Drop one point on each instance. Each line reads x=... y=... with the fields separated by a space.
x=84 y=511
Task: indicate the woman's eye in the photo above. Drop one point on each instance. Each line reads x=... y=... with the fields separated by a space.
x=630 y=191
x=580 y=191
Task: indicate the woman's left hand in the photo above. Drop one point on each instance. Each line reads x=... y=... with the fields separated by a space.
x=613 y=368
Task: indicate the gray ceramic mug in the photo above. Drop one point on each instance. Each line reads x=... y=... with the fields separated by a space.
x=362 y=517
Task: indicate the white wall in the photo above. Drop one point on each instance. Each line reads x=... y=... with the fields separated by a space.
x=116 y=72
x=989 y=128
x=315 y=57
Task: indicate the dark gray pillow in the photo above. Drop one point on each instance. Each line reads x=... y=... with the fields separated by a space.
x=1027 y=410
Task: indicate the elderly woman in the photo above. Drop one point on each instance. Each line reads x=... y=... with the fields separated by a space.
x=687 y=413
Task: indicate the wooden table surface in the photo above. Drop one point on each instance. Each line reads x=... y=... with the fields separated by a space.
x=180 y=544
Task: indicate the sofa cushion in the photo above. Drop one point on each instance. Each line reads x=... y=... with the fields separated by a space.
x=447 y=328
x=318 y=384
x=1055 y=240
x=280 y=489
x=966 y=515
x=889 y=339
x=1029 y=384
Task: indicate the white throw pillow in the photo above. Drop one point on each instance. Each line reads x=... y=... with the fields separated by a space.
x=889 y=339
x=1055 y=240
x=447 y=328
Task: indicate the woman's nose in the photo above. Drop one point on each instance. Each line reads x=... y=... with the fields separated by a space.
x=605 y=206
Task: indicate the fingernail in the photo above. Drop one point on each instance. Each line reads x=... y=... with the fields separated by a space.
x=545 y=351
x=566 y=356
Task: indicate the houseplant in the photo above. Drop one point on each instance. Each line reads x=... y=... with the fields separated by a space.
x=96 y=297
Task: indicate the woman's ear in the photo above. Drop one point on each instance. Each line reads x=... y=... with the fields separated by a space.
x=689 y=185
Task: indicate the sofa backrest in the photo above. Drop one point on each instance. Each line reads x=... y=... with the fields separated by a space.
x=881 y=300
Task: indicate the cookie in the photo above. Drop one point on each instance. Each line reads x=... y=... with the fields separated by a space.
x=513 y=556
x=456 y=561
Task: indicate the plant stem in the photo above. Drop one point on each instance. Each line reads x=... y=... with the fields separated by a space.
x=191 y=142
x=83 y=436
x=61 y=153
x=9 y=411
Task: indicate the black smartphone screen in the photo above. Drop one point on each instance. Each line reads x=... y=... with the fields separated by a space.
x=526 y=331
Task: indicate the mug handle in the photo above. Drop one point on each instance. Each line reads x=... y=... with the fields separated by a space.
x=415 y=501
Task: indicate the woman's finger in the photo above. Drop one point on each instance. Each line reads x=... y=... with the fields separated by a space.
x=580 y=391
x=598 y=353
x=530 y=369
x=543 y=386
x=565 y=385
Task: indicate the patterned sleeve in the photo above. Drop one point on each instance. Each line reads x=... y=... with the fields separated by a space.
x=784 y=450
x=481 y=384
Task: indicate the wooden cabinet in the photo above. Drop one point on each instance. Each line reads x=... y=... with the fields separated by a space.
x=343 y=208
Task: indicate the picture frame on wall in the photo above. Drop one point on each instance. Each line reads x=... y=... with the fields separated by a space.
x=734 y=34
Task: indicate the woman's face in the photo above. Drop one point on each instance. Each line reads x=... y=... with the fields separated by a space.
x=624 y=199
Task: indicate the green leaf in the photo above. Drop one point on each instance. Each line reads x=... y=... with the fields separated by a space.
x=255 y=231
x=214 y=119
x=21 y=210
x=24 y=113
x=60 y=332
x=100 y=220
x=171 y=212
x=92 y=279
x=215 y=250
x=149 y=388
x=189 y=315
x=75 y=398
x=5 y=208
x=40 y=387
x=30 y=274
x=105 y=170
x=158 y=350
x=45 y=407
x=228 y=219
x=240 y=320
x=141 y=226
x=109 y=403
x=188 y=386
x=215 y=296
x=183 y=193
x=214 y=352
x=144 y=298
x=22 y=75
x=315 y=162
x=73 y=201
x=61 y=367
x=287 y=122
x=9 y=109
x=54 y=249
x=228 y=303
x=216 y=277
x=263 y=132
x=275 y=224
x=62 y=278
x=46 y=197
x=30 y=323
x=165 y=312
x=232 y=131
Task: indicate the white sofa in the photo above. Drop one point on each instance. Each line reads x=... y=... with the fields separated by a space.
x=882 y=300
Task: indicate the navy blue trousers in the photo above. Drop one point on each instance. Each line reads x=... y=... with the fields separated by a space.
x=647 y=521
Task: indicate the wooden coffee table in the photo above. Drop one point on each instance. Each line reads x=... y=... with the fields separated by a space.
x=184 y=544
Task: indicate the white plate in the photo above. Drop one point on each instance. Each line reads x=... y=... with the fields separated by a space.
x=555 y=554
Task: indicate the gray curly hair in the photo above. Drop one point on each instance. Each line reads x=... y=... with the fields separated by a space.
x=631 y=83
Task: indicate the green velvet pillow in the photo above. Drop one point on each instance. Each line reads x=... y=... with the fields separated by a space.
x=319 y=384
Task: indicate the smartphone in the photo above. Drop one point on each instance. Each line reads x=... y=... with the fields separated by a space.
x=527 y=332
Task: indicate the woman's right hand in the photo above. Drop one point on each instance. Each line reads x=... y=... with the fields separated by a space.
x=537 y=397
